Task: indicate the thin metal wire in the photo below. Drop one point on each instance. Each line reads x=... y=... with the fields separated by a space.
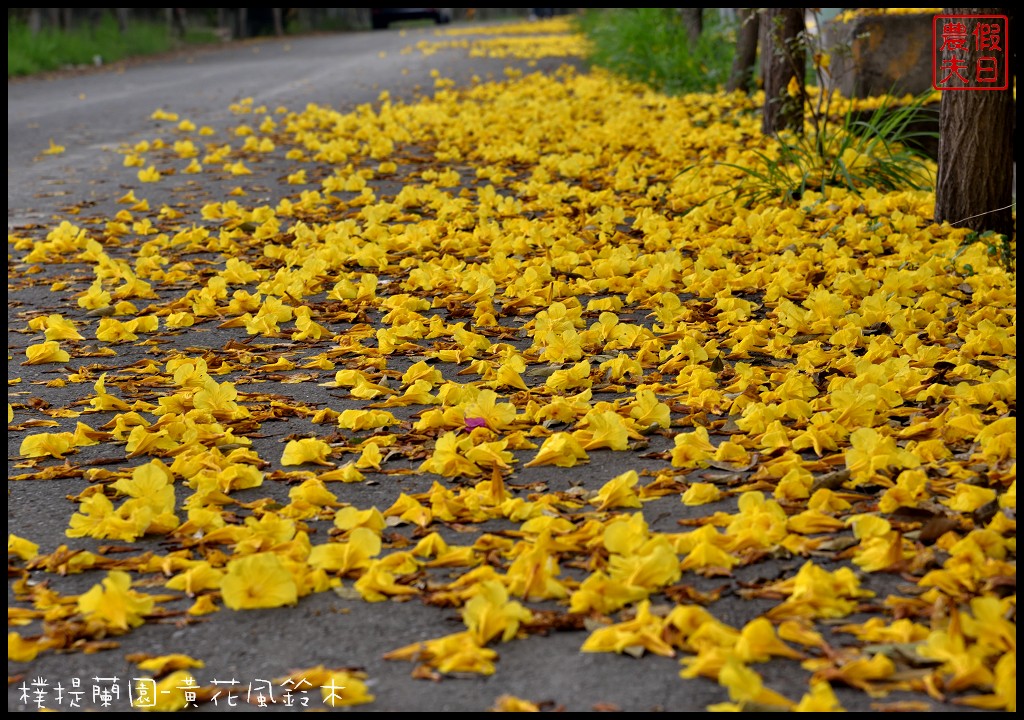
x=987 y=212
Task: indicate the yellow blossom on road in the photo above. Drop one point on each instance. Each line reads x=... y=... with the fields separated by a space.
x=490 y=614
x=115 y=604
x=519 y=354
x=258 y=581
x=306 y=450
x=642 y=633
x=46 y=352
x=561 y=449
x=618 y=492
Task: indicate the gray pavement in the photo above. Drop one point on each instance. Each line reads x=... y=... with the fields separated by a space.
x=96 y=116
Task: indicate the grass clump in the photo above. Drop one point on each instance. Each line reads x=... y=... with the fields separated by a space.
x=651 y=45
x=100 y=43
x=880 y=151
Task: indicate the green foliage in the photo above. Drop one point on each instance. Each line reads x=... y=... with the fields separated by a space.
x=883 y=150
x=880 y=151
x=52 y=49
x=1001 y=248
x=651 y=45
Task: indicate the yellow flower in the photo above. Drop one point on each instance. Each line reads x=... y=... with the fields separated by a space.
x=21 y=548
x=449 y=457
x=347 y=473
x=821 y=698
x=113 y=330
x=692 y=449
x=168 y=694
x=702 y=494
x=306 y=450
x=872 y=452
x=54 y=148
x=458 y=652
x=560 y=449
x=258 y=581
x=758 y=642
x=349 y=518
x=356 y=553
x=510 y=703
x=115 y=604
x=365 y=419
x=370 y=458
x=149 y=175
x=604 y=430
x=344 y=688
x=46 y=352
x=199 y=577
x=745 y=686
x=59 y=328
x=180 y=320
x=534 y=572
x=618 y=492
x=644 y=632
x=490 y=613
x=969 y=498
x=496 y=415
x=164 y=664
x=47 y=445
x=204 y=605
x=649 y=411
x=20 y=649
x=409 y=509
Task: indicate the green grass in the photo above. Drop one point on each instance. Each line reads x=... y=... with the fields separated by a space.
x=51 y=49
x=650 y=45
x=878 y=152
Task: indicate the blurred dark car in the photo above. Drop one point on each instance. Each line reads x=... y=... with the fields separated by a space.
x=380 y=18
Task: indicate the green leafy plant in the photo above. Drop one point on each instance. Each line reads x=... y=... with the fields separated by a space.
x=651 y=45
x=882 y=151
x=54 y=49
x=1002 y=248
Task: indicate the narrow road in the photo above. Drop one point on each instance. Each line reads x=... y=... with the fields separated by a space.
x=542 y=526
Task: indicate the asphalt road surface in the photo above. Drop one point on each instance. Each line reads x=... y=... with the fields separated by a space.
x=92 y=114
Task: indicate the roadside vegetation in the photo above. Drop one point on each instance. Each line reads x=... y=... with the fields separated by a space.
x=540 y=381
x=873 y=144
x=103 y=43
x=652 y=45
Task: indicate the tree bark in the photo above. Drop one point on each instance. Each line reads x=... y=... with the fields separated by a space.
x=974 y=187
x=121 y=15
x=35 y=20
x=176 y=22
x=693 y=21
x=783 y=57
x=742 y=75
x=243 y=23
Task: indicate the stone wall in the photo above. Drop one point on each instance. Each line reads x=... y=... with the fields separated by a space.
x=879 y=54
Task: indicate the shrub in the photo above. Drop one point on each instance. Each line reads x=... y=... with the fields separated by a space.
x=881 y=151
x=651 y=45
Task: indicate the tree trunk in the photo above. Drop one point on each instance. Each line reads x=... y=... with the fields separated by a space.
x=121 y=15
x=278 y=21
x=243 y=23
x=176 y=22
x=742 y=76
x=35 y=20
x=783 y=58
x=974 y=187
x=693 y=21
